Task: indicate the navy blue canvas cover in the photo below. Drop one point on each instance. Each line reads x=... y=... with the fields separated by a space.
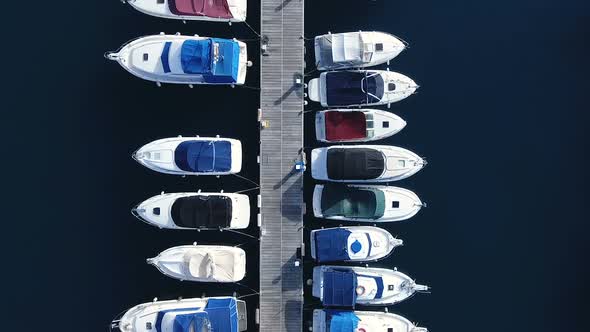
x=223 y=314
x=339 y=288
x=195 y=56
x=341 y=321
x=331 y=244
x=345 y=88
x=164 y=57
x=203 y=156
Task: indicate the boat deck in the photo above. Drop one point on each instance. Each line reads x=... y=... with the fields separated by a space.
x=281 y=186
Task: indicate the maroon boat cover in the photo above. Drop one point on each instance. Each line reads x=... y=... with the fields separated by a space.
x=345 y=125
x=209 y=8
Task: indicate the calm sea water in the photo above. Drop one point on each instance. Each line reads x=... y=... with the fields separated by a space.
x=501 y=115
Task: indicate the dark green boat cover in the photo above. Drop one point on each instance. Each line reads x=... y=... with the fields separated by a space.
x=351 y=202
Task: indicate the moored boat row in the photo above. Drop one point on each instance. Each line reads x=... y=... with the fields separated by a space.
x=351 y=173
x=352 y=181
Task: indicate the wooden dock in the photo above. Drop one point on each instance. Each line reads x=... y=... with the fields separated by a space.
x=281 y=186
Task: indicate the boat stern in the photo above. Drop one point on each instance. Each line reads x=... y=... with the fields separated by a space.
x=320 y=126
x=317 y=200
x=242 y=315
x=319 y=162
x=243 y=62
x=313 y=90
x=319 y=321
x=238 y=9
x=236 y=156
x=240 y=211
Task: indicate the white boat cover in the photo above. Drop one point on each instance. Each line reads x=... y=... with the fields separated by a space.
x=218 y=265
x=347 y=47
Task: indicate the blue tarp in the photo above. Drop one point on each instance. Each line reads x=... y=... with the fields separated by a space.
x=195 y=56
x=198 y=57
x=341 y=321
x=203 y=156
x=223 y=314
x=331 y=244
x=182 y=323
x=164 y=57
x=225 y=70
x=339 y=288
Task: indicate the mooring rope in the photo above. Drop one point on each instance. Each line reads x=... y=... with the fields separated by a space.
x=244 y=178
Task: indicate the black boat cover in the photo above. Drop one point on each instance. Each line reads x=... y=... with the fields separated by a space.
x=354 y=164
x=353 y=88
x=351 y=202
x=202 y=211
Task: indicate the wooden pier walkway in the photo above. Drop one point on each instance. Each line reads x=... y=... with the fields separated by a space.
x=281 y=186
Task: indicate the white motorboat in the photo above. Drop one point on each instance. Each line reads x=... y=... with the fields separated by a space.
x=360 y=88
x=352 y=244
x=364 y=203
x=199 y=211
x=356 y=49
x=223 y=314
x=364 y=163
x=203 y=263
x=192 y=155
x=184 y=59
x=201 y=10
x=364 y=125
x=346 y=286
x=361 y=321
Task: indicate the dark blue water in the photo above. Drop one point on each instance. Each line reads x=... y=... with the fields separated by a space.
x=502 y=116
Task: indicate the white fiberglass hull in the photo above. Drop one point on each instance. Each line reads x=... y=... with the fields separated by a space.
x=396 y=87
x=202 y=263
x=381 y=243
x=157 y=210
x=142 y=58
x=142 y=317
x=399 y=163
x=397 y=286
x=159 y=155
x=161 y=9
x=370 y=321
x=370 y=48
x=400 y=204
x=379 y=125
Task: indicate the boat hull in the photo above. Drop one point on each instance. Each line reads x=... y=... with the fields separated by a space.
x=401 y=204
x=173 y=263
x=157 y=210
x=141 y=57
x=159 y=155
x=161 y=9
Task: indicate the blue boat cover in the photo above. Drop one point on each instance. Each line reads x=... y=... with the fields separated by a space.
x=223 y=314
x=331 y=244
x=345 y=88
x=198 y=320
x=195 y=56
x=182 y=322
x=165 y=56
x=203 y=156
x=199 y=57
x=341 y=321
x=339 y=288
